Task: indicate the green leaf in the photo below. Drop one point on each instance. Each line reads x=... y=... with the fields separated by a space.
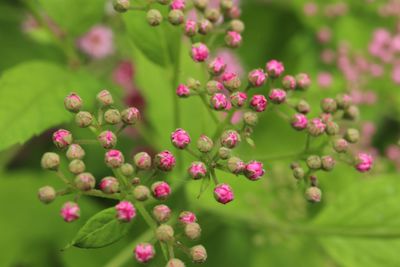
x=101 y=230
x=361 y=226
x=31 y=98
x=74 y=16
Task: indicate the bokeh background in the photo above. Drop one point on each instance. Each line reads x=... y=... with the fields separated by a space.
x=345 y=46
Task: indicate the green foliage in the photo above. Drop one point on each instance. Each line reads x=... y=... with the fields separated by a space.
x=101 y=230
x=31 y=98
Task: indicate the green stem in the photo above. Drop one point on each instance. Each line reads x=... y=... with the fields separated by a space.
x=146 y=216
x=214 y=176
x=210 y=111
x=86 y=142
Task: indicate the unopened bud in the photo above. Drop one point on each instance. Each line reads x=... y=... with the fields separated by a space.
x=205 y=26
x=83 y=119
x=230 y=138
x=332 y=128
x=250 y=118
x=298 y=173
x=289 y=82
x=142 y=161
x=214 y=87
x=193 y=231
x=109 y=185
x=257 y=77
x=175 y=263
x=198 y=254
x=85 y=181
x=112 y=116
x=76 y=166
x=352 y=135
x=50 y=161
x=316 y=127
x=127 y=169
x=314 y=162
x=47 y=194
x=75 y=151
x=343 y=101
x=340 y=145
x=236 y=165
x=303 y=107
x=212 y=14
x=303 y=81
x=231 y=81
x=121 y=5
x=73 y=102
x=224 y=153
x=197 y=170
x=200 y=4
x=193 y=84
x=130 y=115
x=62 y=138
x=226 y=4
x=105 y=98
x=165 y=161
x=236 y=26
x=313 y=194
x=141 y=193
x=135 y=181
x=154 y=17
x=161 y=213
x=216 y=66
x=190 y=28
x=328 y=105
x=205 y=144
x=176 y=17
x=165 y=233
x=107 y=139
x=160 y=190
x=351 y=113
x=328 y=163
x=114 y=158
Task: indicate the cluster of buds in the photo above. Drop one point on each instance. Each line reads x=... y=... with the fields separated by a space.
x=217 y=156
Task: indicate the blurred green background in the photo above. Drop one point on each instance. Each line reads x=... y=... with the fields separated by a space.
x=270 y=223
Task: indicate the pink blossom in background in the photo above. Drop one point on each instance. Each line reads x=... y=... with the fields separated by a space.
x=97 y=43
x=324 y=35
x=123 y=75
x=237 y=117
x=324 y=79
x=232 y=61
x=369 y=97
x=328 y=56
x=310 y=9
x=392 y=152
x=216 y=3
x=376 y=70
x=396 y=74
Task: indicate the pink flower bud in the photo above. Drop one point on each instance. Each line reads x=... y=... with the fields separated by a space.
x=274 y=68
x=125 y=211
x=75 y=151
x=289 y=82
x=197 y=170
x=223 y=193
x=205 y=26
x=130 y=115
x=109 y=185
x=364 y=162
x=161 y=190
x=180 y=138
x=165 y=161
x=161 y=213
x=299 y=121
x=233 y=39
x=257 y=77
x=230 y=139
x=219 y=101
x=177 y=4
x=142 y=161
x=316 y=127
x=217 y=66
x=107 y=139
x=70 y=211
x=73 y=102
x=187 y=217
x=114 y=158
x=231 y=81
x=190 y=28
x=277 y=96
x=144 y=252
x=200 y=52
x=254 y=170
x=62 y=138
x=303 y=81
x=182 y=91
x=258 y=103
x=313 y=194
x=236 y=165
x=238 y=99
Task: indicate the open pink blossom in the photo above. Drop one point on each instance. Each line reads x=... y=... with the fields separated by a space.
x=97 y=42
x=324 y=79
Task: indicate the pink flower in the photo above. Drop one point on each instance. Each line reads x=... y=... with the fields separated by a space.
x=324 y=35
x=200 y=52
x=396 y=74
x=62 y=138
x=364 y=162
x=190 y=27
x=233 y=39
x=258 y=103
x=393 y=152
x=254 y=170
x=274 y=68
x=109 y=185
x=98 y=42
x=230 y=139
x=257 y=77
x=187 y=217
x=123 y=75
x=114 y=158
x=197 y=170
x=125 y=211
x=178 y=4
x=316 y=127
x=219 y=101
x=223 y=193
x=70 y=211
x=161 y=190
x=165 y=161
x=299 y=121
x=73 y=102
x=237 y=117
x=277 y=96
x=107 y=139
x=182 y=91
x=324 y=79
x=238 y=99
x=144 y=252
x=217 y=66
x=180 y=138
